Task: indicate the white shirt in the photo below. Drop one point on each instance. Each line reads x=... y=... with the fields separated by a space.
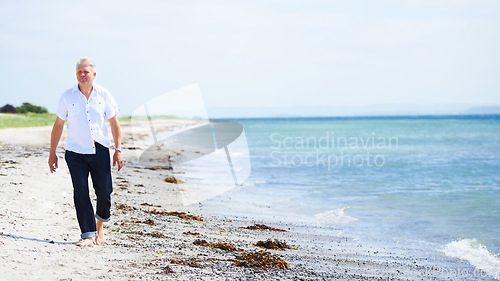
x=86 y=118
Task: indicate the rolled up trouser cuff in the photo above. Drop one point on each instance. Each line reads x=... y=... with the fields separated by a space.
x=89 y=234
x=101 y=219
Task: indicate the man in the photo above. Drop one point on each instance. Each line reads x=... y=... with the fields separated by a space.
x=86 y=107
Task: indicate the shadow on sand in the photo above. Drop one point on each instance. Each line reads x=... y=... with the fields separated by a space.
x=36 y=240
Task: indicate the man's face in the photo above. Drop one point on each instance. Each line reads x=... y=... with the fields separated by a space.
x=84 y=74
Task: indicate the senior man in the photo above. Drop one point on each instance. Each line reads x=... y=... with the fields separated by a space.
x=86 y=107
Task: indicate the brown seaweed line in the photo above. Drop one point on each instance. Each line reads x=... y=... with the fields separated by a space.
x=260 y=259
x=220 y=245
x=262 y=227
x=153 y=234
x=274 y=245
x=182 y=215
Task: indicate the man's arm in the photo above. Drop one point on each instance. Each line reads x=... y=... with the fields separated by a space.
x=57 y=130
x=116 y=131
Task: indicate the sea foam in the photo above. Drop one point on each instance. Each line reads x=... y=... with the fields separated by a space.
x=334 y=217
x=476 y=254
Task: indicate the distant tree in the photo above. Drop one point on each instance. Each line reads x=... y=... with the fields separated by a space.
x=28 y=107
x=8 y=109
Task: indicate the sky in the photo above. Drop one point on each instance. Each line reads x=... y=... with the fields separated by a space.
x=258 y=55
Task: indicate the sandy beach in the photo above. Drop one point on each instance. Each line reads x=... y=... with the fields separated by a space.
x=152 y=237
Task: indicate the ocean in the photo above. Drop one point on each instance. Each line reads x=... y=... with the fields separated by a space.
x=430 y=179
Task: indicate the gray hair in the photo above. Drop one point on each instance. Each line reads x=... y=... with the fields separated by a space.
x=86 y=60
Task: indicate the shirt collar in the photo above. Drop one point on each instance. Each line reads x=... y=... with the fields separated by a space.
x=77 y=90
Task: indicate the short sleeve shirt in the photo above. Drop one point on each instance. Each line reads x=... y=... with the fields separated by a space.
x=86 y=119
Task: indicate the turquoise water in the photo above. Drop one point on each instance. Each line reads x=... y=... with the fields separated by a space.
x=433 y=179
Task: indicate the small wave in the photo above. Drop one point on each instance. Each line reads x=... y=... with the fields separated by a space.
x=255 y=183
x=334 y=217
x=476 y=254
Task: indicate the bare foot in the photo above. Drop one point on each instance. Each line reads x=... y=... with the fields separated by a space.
x=89 y=242
x=99 y=240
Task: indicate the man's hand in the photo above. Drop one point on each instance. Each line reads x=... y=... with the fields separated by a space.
x=118 y=159
x=55 y=136
x=117 y=137
x=53 y=162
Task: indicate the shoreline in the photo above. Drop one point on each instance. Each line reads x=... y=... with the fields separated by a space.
x=38 y=230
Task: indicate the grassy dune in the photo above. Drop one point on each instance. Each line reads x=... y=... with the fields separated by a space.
x=10 y=120
x=26 y=120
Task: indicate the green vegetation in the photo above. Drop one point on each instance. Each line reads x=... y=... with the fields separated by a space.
x=28 y=107
x=26 y=120
x=12 y=120
x=124 y=119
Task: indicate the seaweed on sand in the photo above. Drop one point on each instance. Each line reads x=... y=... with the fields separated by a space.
x=260 y=259
x=201 y=242
x=124 y=207
x=192 y=262
x=171 y=180
x=220 y=245
x=148 y=221
x=152 y=234
x=262 y=227
x=154 y=168
x=166 y=270
x=257 y=259
x=274 y=245
x=150 y=205
x=182 y=215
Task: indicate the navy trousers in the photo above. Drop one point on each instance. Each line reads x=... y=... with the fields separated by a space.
x=98 y=165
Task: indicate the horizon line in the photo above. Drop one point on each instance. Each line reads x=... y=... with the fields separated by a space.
x=361 y=117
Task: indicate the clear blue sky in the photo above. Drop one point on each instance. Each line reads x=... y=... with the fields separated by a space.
x=256 y=53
